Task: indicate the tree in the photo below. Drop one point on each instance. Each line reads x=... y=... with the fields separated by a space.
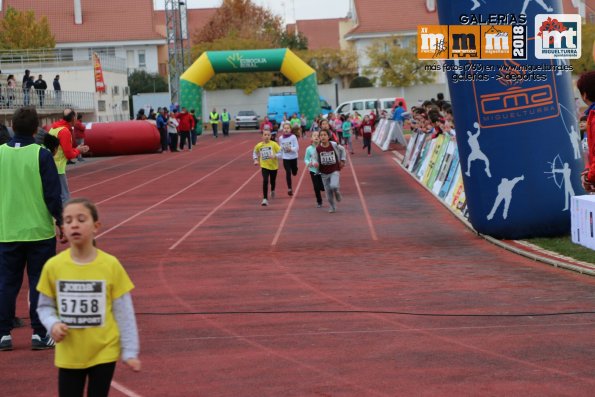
x=243 y=19
x=21 y=30
x=360 y=81
x=396 y=67
x=293 y=41
x=331 y=64
x=142 y=82
x=585 y=62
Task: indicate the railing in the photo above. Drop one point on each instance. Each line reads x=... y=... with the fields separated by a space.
x=48 y=100
x=40 y=58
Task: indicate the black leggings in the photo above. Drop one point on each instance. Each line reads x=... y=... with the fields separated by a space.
x=367 y=143
x=266 y=173
x=318 y=186
x=291 y=168
x=71 y=382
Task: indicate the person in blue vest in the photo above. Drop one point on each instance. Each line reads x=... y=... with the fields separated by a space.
x=27 y=229
x=398 y=114
x=225 y=122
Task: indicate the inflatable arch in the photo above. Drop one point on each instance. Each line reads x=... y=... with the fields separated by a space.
x=273 y=60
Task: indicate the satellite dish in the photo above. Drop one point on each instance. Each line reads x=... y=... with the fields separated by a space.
x=431 y=5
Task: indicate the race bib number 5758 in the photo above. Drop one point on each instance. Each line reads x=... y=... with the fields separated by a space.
x=81 y=304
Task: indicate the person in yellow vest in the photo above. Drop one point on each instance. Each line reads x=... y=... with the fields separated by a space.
x=62 y=129
x=29 y=205
x=225 y=122
x=214 y=120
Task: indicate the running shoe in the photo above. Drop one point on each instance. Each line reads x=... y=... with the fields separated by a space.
x=290 y=192
x=6 y=343
x=39 y=343
x=265 y=202
x=332 y=210
x=318 y=205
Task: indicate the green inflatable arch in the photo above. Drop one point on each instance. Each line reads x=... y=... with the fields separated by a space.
x=274 y=60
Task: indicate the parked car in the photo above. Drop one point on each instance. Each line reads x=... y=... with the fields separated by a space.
x=247 y=118
x=365 y=106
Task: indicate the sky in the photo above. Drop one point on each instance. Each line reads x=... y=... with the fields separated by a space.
x=289 y=10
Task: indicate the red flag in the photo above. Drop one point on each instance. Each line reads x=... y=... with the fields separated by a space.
x=99 y=82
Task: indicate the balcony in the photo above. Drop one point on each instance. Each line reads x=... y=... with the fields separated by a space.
x=47 y=102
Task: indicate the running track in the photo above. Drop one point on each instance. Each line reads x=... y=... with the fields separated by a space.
x=386 y=297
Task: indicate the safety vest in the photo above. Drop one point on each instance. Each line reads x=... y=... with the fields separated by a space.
x=214 y=118
x=59 y=158
x=225 y=117
x=24 y=215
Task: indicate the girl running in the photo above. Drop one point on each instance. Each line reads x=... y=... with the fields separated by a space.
x=85 y=303
x=311 y=160
x=331 y=158
x=367 y=130
x=347 y=128
x=290 y=148
x=266 y=154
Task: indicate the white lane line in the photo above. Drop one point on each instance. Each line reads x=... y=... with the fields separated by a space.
x=288 y=210
x=364 y=205
x=161 y=176
x=203 y=220
x=170 y=197
x=124 y=390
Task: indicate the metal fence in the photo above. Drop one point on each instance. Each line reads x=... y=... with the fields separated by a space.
x=12 y=98
x=43 y=58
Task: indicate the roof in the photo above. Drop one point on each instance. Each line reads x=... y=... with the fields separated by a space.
x=391 y=16
x=197 y=19
x=102 y=20
x=321 y=33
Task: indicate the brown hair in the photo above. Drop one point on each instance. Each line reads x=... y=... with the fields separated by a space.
x=87 y=204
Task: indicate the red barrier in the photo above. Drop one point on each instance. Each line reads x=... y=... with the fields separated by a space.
x=122 y=137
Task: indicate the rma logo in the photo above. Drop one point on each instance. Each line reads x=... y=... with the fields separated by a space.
x=558 y=36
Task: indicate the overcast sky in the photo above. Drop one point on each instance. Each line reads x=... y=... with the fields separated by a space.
x=287 y=9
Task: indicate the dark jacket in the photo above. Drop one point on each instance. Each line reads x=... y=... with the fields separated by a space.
x=40 y=84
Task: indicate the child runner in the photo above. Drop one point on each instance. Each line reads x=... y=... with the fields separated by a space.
x=367 y=130
x=85 y=303
x=266 y=154
x=311 y=160
x=331 y=158
x=289 y=147
x=347 y=127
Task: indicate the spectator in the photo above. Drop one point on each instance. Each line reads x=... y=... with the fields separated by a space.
x=79 y=134
x=27 y=232
x=586 y=87
x=162 y=127
x=214 y=120
x=57 y=89
x=172 y=131
x=141 y=115
x=194 y=132
x=40 y=86
x=62 y=129
x=11 y=85
x=26 y=88
x=4 y=134
x=398 y=114
x=185 y=125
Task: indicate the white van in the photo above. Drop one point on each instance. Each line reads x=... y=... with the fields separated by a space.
x=362 y=106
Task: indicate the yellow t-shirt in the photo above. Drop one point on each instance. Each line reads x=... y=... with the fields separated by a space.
x=84 y=295
x=267 y=154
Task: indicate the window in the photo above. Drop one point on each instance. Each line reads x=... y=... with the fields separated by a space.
x=344 y=109
x=101 y=106
x=115 y=90
x=358 y=106
x=110 y=51
x=325 y=105
x=124 y=106
x=370 y=105
x=126 y=90
x=142 y=59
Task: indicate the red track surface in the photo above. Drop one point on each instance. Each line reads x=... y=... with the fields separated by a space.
x=292 y=301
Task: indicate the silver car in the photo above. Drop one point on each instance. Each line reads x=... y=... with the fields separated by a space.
x=247 y=118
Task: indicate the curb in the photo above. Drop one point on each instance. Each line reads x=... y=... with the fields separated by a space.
x=519 y=247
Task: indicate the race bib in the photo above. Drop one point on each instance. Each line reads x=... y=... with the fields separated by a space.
x=287 y=146
x=367 y=128
x=81 y=304
x=328 y=158
x=266 y=153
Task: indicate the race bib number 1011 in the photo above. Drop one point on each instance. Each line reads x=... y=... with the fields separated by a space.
x=81 y=304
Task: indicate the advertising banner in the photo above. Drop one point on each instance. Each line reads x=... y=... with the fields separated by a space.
x=99 y=82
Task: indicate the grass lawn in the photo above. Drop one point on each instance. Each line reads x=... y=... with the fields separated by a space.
x=564 y=246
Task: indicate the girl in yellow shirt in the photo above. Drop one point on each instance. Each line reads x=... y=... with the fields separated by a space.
x=85 y=304
x=267 y=154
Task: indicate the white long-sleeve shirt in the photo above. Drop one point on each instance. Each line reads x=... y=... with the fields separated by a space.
x=289 y=146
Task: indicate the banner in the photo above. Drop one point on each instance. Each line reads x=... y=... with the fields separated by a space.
x=99 y=82
x=517 y=131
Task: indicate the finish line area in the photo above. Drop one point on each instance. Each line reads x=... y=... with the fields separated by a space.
x=391 y=295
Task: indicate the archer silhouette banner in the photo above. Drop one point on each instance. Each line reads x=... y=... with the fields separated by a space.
x=517 y=129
